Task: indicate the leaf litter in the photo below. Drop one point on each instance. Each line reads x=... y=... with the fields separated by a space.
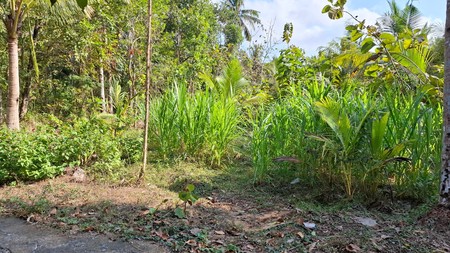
x=227 y=221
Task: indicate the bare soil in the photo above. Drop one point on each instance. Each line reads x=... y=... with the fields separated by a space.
x=222 y=221
x=19 y=236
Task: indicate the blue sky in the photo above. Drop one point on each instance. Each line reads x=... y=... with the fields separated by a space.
x=428 y=8
x=313 y=29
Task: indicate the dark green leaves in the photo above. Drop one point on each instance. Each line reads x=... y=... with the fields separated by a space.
x=287 y=32
x=335 y=10
x=81 y=3
x=187 y=195
x=326 y=9
x=367 y=44
x=179 y=212
x=355 y=35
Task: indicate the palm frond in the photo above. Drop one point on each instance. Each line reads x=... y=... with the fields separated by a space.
x=416 y=59
x=331 y=112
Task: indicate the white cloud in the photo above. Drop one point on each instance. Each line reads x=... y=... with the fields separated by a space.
x=312 y=29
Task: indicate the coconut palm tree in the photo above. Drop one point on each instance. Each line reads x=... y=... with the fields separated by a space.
x=244 y=17
x=398 y=20
x=13 y=14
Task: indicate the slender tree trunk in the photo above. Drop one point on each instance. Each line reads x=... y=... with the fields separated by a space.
x=110 y=105
x=102 y=86
x=27 y=88
x=147 y=89
x=12 y=110
x=445 y=176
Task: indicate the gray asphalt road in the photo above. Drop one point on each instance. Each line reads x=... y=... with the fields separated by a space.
x=17 y=236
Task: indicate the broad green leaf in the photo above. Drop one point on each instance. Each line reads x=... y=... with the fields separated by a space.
x=355 y=35
x=82 y=3
x=327 y=8
x=367 y=44
x=179 y=213
x=184 y=196
x=341 y=3
x=378 y=132
x=361 y=24
x=372 y=70
x=190 y=187
x=350 y=27
x=152 y=210
x=407 y=43
x=387 y=38
x=332 y=113
x=335 y=14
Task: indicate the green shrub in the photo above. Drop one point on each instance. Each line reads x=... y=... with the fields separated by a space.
x=28 y=156
x=48 y=150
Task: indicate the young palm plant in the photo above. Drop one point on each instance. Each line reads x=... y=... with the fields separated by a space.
x=348 y=135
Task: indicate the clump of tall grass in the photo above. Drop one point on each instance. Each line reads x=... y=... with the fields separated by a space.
x=416 y=123
x=352 y=139
x=200 y=125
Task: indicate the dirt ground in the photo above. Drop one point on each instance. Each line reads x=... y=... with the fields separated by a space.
x=18 y=236
x=220 y=221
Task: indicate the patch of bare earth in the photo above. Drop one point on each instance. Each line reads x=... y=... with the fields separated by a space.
x=223 y=221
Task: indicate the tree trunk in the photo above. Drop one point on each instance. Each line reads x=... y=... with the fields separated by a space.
x=445 y=176
x=12 y=110
x=102 y=86
x=147 y=89
x=27 y=88
x=110 y=105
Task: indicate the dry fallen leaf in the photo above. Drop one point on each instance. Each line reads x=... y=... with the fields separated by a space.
x=300 y=221
x=218 y=242
x=162 y=235
x=218 y=232
x=191 y=242
x=352 y=248
x=53 y=211
x=144 y=213
x=300 y=234
x=249 y=246
x=89 y=229
x=31 y=219
x=311 y=247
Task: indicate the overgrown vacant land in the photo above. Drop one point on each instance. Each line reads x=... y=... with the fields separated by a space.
x=204 y=145
x=230 y=216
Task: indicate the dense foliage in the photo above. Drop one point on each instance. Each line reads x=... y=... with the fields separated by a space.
x=363 y=117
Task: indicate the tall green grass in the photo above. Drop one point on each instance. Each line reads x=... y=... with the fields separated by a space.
x=352 y=139
x=195 y=126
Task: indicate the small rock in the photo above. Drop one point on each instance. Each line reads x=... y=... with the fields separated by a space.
x=309 y=225
x=295 y=181
x=369 y=222
x=79 y=176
